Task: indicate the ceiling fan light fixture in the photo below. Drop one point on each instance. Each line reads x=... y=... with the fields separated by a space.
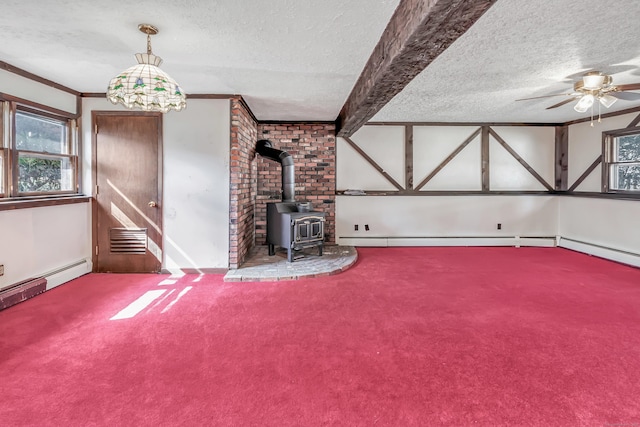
x=584 y=103
x=607 y=100
x=145 y=86
x=593 y=80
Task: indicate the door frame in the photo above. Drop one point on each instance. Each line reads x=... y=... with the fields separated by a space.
x=94 y=177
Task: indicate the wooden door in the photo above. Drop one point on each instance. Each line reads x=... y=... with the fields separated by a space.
x=127 y=169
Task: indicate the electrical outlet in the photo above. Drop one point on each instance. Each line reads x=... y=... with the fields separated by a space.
x=499 y=226
x=1 y=269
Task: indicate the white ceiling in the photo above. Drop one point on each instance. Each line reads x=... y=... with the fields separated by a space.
x=298 y=60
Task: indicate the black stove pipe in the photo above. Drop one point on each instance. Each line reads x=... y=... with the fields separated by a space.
x=265 y=149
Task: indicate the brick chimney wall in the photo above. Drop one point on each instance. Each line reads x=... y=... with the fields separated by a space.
x=313 y=147
x=243 y=180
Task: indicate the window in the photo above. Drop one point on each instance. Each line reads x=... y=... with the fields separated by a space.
x=622 y=161
x=39 y=155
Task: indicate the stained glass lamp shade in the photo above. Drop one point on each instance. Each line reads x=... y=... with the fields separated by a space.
x=145 y=86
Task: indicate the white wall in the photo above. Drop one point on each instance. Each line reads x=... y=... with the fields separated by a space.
x=13 y=84
x=433 y=144
x=536 y=145
x=196 y=186
x=37 y=241
x=603 y=227
x=602 y=222
x=585 y=145
x=471 y=219
x=423 y=218
x=196 y=181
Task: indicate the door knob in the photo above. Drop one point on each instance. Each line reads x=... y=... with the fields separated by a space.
x=152 y=204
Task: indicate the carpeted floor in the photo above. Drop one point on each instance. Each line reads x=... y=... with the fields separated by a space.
x=406 y=337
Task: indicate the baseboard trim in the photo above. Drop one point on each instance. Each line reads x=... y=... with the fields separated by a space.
x=517 y=241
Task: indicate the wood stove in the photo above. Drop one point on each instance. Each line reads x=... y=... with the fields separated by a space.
x=291 y=225
x=293 y=229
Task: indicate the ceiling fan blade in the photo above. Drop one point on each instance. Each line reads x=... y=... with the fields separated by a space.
x=560 y=104
x=627 y=96
x=544 y=96
x=631 y=86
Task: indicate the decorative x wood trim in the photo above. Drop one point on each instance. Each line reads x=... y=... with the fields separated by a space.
x=448 y=159
x=586 y=173
x=520 y=159
x=373 y=163
x=485 y=131
x=634 y=122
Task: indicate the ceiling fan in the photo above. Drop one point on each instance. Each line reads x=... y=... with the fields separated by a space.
x=593 y=86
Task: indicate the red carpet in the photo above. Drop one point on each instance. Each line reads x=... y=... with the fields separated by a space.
x=407 y=337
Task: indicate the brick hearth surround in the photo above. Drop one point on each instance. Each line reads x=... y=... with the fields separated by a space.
x=313 y=147
x=243 y=180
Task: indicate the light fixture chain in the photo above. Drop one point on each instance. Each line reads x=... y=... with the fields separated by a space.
x=149 y=43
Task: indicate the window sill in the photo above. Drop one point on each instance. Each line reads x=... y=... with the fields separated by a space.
x=12 y=204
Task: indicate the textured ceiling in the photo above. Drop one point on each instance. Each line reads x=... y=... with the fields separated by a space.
x=524 y=48
x=298 y=60
x=290 y=59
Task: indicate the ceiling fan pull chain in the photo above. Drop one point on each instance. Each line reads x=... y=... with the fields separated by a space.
x=599 y=113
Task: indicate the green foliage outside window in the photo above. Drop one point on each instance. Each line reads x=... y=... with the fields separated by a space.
x=627 y=162
x=39 y=175
x=46 y=172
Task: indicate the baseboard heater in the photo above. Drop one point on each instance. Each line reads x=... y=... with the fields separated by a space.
x=601 y=251
x=22 y=291
x=29 y=288
x=517 y=241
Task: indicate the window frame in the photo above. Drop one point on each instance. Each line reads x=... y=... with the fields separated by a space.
x=609 y=144
x=11 y=154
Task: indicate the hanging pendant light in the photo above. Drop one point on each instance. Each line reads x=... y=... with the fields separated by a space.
x=145 y=86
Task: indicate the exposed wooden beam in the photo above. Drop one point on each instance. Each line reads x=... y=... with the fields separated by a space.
x=562 y=157
x=520 y=160
x=417 y=33
x=373 y=163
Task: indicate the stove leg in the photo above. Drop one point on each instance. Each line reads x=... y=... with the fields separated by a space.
x=320 y=250
x=290 y=254
x=272 y=249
